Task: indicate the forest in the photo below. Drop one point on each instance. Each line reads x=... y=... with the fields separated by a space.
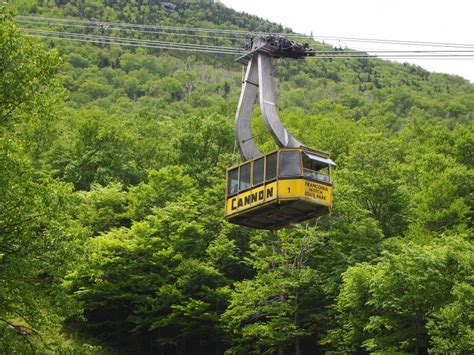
x=113 y=161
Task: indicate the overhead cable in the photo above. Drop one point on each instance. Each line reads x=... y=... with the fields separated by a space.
x=175 y=28
x=118 y=28
x=216 y=51
x=237 y=50
x=397 y=42
x=123 y=39
x=208 y=32
x=131 y=44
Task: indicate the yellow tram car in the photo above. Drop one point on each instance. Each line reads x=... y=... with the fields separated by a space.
x=281 y=188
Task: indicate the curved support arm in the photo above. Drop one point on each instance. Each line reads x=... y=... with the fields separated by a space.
x=243 y=133
x=268 y=106
x=259 y=75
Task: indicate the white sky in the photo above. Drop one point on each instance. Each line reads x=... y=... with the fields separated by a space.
x=413 y=20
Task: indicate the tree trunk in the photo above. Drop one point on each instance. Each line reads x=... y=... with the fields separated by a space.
x=417 y=330
x=297 y=345
x=281 y=351
x=295 y=320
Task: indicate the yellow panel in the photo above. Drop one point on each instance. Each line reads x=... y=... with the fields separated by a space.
x=308 y=190
x=251 y=198
x=292 y=189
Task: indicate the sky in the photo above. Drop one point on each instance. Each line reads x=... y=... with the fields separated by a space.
x=413 y=20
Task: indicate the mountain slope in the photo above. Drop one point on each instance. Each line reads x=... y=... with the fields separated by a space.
x=137 y=144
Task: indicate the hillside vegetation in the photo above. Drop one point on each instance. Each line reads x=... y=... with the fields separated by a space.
x=112 y=237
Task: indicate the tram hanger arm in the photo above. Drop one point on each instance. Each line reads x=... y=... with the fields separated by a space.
x=259 y=75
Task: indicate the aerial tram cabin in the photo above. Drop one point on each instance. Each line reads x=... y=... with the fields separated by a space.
x=281 y=188
x=289 y=185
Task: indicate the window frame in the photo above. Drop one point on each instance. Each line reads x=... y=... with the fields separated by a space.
x=295 y=151
x=250 y=164
x=317 y=172
x=263 y=172
x=228 y=192
x=276 y=153
x=266 y=179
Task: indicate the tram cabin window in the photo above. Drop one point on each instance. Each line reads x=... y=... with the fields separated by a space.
x=244 y=181
x=271 y=167
x=258 y=168
x=290 y=163
x=233 y=181
x=315 y=170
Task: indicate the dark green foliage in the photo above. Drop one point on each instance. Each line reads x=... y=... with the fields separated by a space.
x=111 y=228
